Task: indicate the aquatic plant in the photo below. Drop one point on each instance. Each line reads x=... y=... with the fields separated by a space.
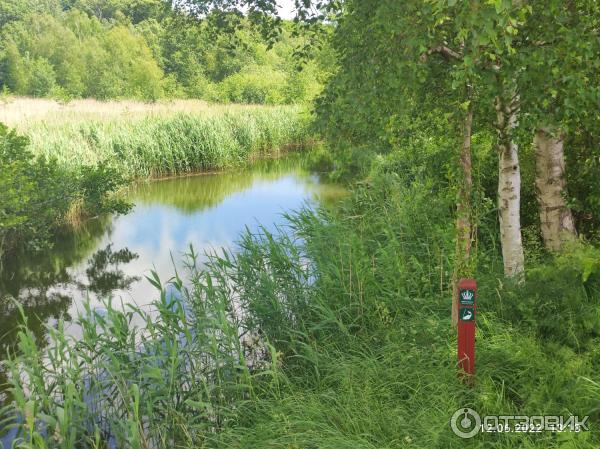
x=171 y=141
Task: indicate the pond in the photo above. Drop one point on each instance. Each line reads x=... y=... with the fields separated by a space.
x=110 y=256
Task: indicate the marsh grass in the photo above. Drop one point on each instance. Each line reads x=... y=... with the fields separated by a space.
x=21 y=112
x=155 y=146
x=90 y=150
x=145 y=140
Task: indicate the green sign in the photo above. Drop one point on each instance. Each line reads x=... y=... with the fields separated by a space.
x=467 y=314
x=467 y=296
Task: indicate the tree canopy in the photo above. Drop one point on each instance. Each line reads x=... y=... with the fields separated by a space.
x=146 y=49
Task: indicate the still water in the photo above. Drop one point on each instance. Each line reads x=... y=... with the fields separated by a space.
x=109 y=256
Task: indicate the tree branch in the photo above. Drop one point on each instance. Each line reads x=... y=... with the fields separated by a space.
x=443 y=50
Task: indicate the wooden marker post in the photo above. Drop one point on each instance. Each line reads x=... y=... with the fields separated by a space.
x=467 y=295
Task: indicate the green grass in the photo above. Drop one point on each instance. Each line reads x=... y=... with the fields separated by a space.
x=333 y=334
x=155 y=145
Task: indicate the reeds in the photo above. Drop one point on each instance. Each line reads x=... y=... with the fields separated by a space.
x=182 y=143
x=145 y=140
x=330 y=335
x=170 y=376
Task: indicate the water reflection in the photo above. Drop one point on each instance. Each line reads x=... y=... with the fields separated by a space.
x=44 y=288
x=110 y=256
x=103 y=272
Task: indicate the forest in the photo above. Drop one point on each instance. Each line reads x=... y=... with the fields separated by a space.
x=143 y=50
x=461 y=140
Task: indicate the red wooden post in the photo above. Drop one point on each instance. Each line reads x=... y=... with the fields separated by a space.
x=467 y=295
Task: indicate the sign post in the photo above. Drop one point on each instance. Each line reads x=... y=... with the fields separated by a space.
x=467 y=295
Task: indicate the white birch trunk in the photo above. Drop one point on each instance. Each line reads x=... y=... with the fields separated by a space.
x=556 y=220
x=509 y=191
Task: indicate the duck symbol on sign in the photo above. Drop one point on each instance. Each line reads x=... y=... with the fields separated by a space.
x=467 y=314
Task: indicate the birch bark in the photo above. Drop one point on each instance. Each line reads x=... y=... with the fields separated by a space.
x=556 y=220
x=509 y=189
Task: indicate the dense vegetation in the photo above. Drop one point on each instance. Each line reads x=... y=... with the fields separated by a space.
x=66 y=170
x=385 y=110
x=444 y=121
x=353 y=349
x=37 y=194
x=144 y=50
x=155 y=145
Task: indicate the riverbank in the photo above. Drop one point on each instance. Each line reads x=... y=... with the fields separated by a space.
x=66 y=162
x=334 y=334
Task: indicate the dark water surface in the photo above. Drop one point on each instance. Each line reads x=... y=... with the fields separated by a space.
x=110 y=256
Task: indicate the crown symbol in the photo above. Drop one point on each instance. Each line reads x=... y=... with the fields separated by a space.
x=467 y=295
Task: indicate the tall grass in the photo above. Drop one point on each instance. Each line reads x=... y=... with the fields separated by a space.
x=333 y=333
x=20 y=112
x=168 y=377
x=85 y=157
x=155 y=145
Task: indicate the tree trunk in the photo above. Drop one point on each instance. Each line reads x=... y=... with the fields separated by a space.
x=509 y=189
x=463 y=214
x=556 y=220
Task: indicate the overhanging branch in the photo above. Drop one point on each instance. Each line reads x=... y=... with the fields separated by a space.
x=443 y=50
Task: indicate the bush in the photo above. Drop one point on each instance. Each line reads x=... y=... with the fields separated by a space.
x=560 y=299
x=42 y=78
x=253 y=85
x=36 y=194
x=33 y=194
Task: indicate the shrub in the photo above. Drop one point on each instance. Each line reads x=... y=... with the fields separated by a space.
x=36 y=193
x=42 y=78
x=253 y=85
x=32 y=194
x=560 y=299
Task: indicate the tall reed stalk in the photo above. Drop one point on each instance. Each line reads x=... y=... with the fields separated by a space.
x=159 y=144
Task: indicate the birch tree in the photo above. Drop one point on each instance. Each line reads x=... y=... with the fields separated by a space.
x=509 y=185
x=556 y=221
x=485 y=34
x=560 y=87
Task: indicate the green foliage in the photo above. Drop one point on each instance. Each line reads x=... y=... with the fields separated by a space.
x=37 y=193
x=34 y=194
x=80 y=56
x=141 y=49
x=14 y=10
x=334 y=332
x=583 y=182
x=252 y=85
x=394 y=87
x=94 y=183
x=42 y=78
x=14 y=73
x=560 y=300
